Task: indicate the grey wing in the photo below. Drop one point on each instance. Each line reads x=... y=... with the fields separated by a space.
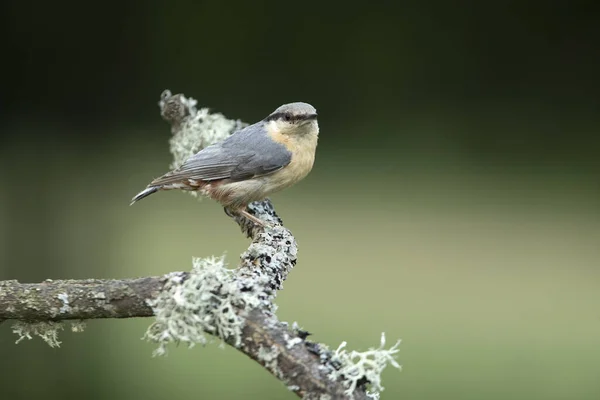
x=267 y=155
x=247 y=153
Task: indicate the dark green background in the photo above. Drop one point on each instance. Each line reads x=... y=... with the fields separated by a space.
x=454 y=202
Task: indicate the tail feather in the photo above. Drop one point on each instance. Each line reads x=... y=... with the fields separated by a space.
x=144 y=193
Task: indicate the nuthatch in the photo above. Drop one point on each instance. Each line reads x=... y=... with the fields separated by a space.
x=252 y=163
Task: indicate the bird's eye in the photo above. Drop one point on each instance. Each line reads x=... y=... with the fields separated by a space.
x=287 y=117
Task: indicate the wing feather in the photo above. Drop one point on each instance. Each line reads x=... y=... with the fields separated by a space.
x=247 y=153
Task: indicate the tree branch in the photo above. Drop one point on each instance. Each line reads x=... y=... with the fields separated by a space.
x=56 y=300
x=236 y=305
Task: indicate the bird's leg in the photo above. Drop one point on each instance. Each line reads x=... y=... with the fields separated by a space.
x=244 y=213
x=251 y=217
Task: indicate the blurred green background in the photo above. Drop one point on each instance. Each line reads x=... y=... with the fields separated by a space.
x=454 y=202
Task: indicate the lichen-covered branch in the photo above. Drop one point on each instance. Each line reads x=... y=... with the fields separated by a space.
x=235 y=305
x=78 y=299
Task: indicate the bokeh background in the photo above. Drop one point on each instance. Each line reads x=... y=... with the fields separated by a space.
x=454 y=202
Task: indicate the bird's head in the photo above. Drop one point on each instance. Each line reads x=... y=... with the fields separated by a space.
x=294 y=119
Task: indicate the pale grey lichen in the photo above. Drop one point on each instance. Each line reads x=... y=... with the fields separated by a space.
x=293 y=388
x=46 y=330
x=292 y=342
x=373 y=395
x=267 y=262
x=356 y=366
x=64 y=297
x=268 y=356
x=100 y=296
x=78 y=326
x=209 y=300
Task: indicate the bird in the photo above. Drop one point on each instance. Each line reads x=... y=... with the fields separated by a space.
x=250 y=164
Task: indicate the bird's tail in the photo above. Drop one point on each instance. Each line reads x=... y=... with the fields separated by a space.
x=146 y=192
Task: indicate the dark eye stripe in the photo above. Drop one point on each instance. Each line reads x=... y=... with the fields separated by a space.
x=290 y=117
